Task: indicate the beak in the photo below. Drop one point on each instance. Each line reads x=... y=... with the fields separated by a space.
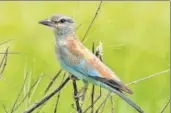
x=46 y=22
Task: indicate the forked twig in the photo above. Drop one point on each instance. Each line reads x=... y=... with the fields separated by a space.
x=46 y=98
x=148 y=77
x=97 y=11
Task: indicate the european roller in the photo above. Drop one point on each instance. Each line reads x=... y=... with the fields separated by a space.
x=76 y=59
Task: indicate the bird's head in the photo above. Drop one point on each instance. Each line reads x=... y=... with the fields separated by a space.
x=61 y=24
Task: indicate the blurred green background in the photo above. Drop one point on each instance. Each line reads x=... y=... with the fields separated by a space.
x=135 y=37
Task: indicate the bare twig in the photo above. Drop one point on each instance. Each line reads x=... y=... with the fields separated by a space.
x=52 y=81
x=13 y=107
x=148 y=77
x=3 y=62
x=10 y=53
x=165 y=106
x=78 y=26
x=92 y=104
x=58 y=97
x=98 y=53
x=4 y=108
x=57 y=101
x=35 y=86
x=112 y=103
x=29 y=92
x=92 y=99
x=97 y=11
x=78 y=107
x=50 y=84
x=46 y=98
x=103 y=103
x=93 y=87
x=93 y=48
x=5 y=42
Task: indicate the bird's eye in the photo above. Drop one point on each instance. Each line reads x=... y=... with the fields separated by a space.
x=62 y=20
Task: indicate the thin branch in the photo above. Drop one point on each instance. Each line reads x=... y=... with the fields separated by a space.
x=164 y=108
x=10 y=53
x=13 y=107
x=148 y=77
x=78 y=26
x=46 y=98
x=97 y=11
x=112 y=103
x=92 y=99
x=103 y=103
x=93 y=48
x=38 y=111
x=52 y=81
x=93 y=87
x=29 y=92
x=58 y=96
x=5 y=42
x=35 y=86
x=94 y=102
x=4 y=108
x=57 y=101
x=78 y=107
x=50 y=84
x=4 y=62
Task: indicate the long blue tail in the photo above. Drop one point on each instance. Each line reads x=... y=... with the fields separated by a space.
x=125 y=98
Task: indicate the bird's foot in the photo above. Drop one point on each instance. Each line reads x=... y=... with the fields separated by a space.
x=73 y=77
x=82 y=92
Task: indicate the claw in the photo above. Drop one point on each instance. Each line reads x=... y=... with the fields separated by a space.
x=82 y=92
x=73 y=77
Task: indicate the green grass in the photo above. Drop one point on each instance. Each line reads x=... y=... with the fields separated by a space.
x=141 y=28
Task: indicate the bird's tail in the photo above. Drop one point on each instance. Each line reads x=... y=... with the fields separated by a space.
x=126 y=99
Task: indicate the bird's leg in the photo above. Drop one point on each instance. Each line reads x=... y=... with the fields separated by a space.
x=72 y=77
x=81 y=93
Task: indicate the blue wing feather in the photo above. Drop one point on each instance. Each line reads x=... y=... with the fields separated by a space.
x=71 y=62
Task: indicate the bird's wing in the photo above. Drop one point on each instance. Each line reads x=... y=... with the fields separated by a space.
x=80 y=59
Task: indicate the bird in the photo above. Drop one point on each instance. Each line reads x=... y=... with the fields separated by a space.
x=76 y=59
